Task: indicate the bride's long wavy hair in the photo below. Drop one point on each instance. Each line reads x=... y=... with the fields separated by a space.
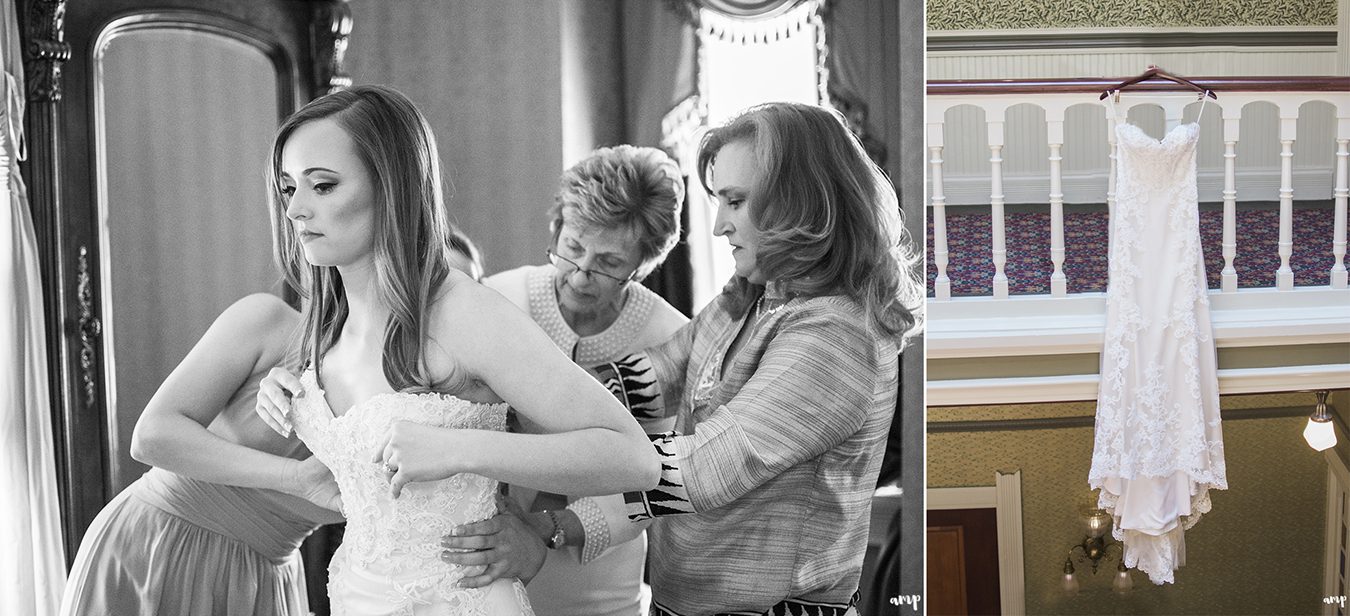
x=828 y=217
x=411 y=228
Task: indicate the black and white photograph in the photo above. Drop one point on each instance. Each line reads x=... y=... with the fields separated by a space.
x=460 y=307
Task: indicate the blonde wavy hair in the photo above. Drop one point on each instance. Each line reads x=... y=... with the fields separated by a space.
x=828 y=217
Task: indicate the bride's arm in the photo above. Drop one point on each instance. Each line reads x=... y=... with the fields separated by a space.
x=172 y=433
x=591 y=446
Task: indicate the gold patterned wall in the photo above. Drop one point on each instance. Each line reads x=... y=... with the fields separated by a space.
x=1026 y=14
x=1259 y=551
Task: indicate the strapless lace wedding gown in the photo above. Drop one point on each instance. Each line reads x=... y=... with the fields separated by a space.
x=1159 y=443
x=388 y=563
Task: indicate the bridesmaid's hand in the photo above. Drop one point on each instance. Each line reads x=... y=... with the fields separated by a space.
x=505 y=543
x=312 y=481
x=415 y=452
x=275 y=392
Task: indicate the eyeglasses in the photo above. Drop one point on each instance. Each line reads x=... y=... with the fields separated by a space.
x=558 y=260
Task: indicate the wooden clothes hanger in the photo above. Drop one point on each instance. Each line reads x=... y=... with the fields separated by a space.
x=1154 y=72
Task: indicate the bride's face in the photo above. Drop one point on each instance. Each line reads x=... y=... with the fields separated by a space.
x=329 y=195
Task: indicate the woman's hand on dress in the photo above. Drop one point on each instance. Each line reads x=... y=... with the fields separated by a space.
x=505 y=543
x=415 y=452
x=314 y=482
x=275 y=393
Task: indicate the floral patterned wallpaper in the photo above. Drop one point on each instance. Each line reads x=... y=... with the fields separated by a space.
x=1025 y=14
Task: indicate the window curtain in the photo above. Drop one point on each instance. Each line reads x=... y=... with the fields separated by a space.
x=658 y=74
x=664 y=107
x=32 y=568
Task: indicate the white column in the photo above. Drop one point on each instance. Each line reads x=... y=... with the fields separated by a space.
x=1341 y=193
x=1054 y=127
x=1011 y=573
x=1000 y=248
x=1229 y=278
x=1284 y=277
x=942 y=285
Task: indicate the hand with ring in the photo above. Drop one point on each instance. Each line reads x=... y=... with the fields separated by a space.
x=415 y=452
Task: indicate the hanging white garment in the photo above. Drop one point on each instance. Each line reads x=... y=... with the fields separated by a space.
x=33 y=568
x=1159 y=444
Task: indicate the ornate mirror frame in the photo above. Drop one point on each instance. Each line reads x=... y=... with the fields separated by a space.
x=305 y=41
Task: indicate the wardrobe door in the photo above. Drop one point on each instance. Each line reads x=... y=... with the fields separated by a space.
x=148 y=126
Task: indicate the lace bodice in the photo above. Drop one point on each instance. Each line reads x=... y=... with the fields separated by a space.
x=398 y=538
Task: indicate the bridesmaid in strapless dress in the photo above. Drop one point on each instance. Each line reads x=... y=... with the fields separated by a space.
x=202 y=533
x=410 y=364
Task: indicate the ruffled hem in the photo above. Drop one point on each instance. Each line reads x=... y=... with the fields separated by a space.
x=1157 y=547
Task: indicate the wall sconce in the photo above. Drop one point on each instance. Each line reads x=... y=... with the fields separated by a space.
x=1320 y=432
x=1096 y=547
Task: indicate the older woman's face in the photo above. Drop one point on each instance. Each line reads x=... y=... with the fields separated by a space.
x=731 y=179
x=609 y=251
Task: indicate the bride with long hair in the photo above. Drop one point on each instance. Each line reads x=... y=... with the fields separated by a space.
x=408 y=364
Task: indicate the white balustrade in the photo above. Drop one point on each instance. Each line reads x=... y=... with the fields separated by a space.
x=1284 y=277
x=1054 y=132
x=1228 y=279
x=942 y=286
x=1055 y=103
x=1340 y=194
x=999 y=251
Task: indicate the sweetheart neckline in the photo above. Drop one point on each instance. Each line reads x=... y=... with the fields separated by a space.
x=1120 y=123
x=332 y=416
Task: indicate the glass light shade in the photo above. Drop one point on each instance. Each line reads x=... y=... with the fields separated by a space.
x=1070 y=584
x=1123 y=582
x=1098 y=522
x=1320 y=434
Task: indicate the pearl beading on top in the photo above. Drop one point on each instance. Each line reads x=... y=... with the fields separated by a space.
x=605 y=346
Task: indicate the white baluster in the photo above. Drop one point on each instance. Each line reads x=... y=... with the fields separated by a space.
x=1229 y=277
x=1054 y=126
x=1284 y=277
x=1342 y=194
x=1000 y=248
x=942 y=286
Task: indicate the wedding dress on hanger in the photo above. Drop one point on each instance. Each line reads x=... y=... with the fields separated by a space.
x=1159 y=444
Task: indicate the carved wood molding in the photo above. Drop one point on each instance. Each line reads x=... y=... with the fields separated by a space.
x=90 y=329
x=331 y=27
x=45 y=49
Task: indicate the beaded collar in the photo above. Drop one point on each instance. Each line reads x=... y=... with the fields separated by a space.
x=599 y=348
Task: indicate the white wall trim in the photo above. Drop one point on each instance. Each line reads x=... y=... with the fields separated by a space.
x=1042 y=325
x=1083 y=387
x=1053 y=32
x=982 y=326
x=1005 y=497
x=1012 y=587
x=1338 y=478
x=983 y=497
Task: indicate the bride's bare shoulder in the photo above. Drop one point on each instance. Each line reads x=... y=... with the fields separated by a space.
x=462 y=300
x=465 y=321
